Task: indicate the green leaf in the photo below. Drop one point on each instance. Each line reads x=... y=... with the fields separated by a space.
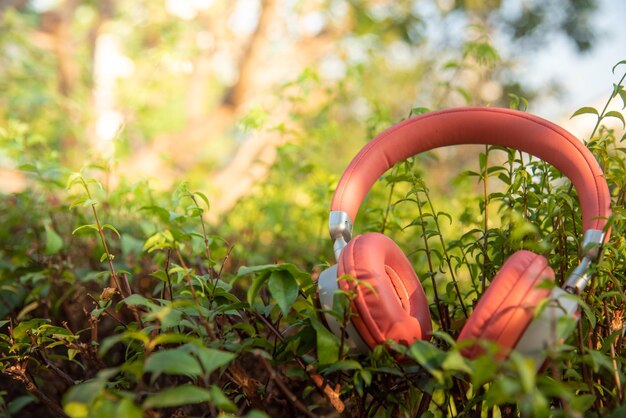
x=135 y=299
x=583 y=402
x=428 y=356
x=221 y=401
x=211 y=359
x=177 y=396
x=344 y=365
x=622 y=95
x=78 y=202
x=526 y=372
x=584 y=110
x=85 y=393
x=83 y=227
x=327 y=343
x=104 y=257
x=162 y=213
x=19 y=403
x=418 y=111
x=283 y=288
x=256 y=285
x=73 y=179
x=171 y=338
x=256 y=414
x=76 y=409
x=484 y=369
x=615 y=114
x=617 y=65
x=455 y=362
x=174 y=361
x=204 y=198
x=54 y=243
x=112 y=228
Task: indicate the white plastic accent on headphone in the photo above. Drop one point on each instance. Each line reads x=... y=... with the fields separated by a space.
x=542 y=331
x=326 y=287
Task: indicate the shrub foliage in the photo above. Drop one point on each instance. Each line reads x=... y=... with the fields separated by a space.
x=121 y=300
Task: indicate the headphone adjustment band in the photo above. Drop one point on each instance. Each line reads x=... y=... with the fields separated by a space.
x=591 y=249
x=340 y=227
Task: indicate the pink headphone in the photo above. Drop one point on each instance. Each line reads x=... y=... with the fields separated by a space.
x=390 y=303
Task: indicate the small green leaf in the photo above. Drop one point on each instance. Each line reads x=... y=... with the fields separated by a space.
x=76 y=409
x=78 y=202
x=175 y=361
x=17 y=404
x=257 y=282
x=54 y=243
x=484 y=369
x=96 y=182
x=256 y=414
x=204 y=198
x=622 y=94
x=327 y=343
x=28 y=167
x=344 y=365
x=454 y=361
x=221 y=401
x=615 y=114
x=283 y=288
x=112 y=228
x=418 y=111
x=73 y=179
x=138 y=300
x=211 y=359
x=177 y=396
x=617 y=65
x=83 y=227
x=584 y=110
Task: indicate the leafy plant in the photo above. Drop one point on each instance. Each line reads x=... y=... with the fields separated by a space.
x=117 y=299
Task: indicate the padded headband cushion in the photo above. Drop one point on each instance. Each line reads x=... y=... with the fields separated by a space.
x=390 y=302
x=493 y=126
x=507 y=307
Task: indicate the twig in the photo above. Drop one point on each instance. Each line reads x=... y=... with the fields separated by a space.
x=486 y=224
x=42 y=352
x=618 y=382
x=203 y=320
x=283 y=388
x=332 y=395
x=18 y=373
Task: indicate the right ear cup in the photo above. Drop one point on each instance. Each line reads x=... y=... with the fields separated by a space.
x=507 y=307
x=389 y=299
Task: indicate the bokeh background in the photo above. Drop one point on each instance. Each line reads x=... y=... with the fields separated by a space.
x=260 y=104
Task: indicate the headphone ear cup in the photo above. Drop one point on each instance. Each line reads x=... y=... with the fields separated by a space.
x=389 y=300
x=507 y=307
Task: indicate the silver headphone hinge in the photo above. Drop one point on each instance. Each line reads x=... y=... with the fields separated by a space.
x=590 y=251
x=340 y=227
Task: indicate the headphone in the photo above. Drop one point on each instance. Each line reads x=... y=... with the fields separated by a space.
x=389 y=302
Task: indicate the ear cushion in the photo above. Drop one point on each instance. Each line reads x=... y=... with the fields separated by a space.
x=389 y=299
x=507 y=307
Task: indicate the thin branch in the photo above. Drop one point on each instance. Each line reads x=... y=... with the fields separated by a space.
x=274 y=375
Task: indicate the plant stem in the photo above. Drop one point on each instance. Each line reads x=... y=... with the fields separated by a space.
x=106 y=250
x=445 y=322
x=606 y=106
x=486 y=223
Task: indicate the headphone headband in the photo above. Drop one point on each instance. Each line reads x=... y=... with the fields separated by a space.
x=478 y=125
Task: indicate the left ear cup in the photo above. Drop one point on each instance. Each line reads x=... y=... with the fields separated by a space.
x=389 y=299
x=507 y=307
